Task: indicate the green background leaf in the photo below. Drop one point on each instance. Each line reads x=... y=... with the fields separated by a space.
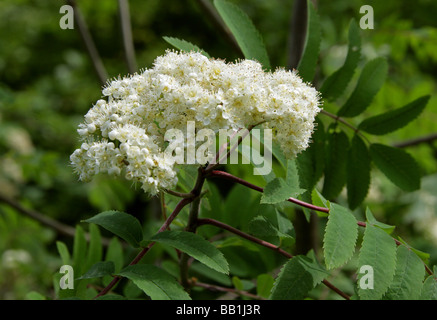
x=185 y=45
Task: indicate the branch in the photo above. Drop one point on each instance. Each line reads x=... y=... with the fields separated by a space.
x=414 y=142
x=223 y=289
x=265 y=244
x=126 y=31
x=89 y=43
x=143 y=252
x=222 y=174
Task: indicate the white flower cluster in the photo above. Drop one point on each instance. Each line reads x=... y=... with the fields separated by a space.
x=125 y=135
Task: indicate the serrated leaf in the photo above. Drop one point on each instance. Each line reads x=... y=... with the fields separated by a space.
x=397 y=165
x=262 y=228
x=358 y=172
x=98 y=270
x=297 y=277
x=379 y=252
x=195 y=246
x=429 y=289
x=121 y=224
x=395 y=119
x=337 y=82
x=335 y=166
x=184 y=45
x=278 y=190
x=370 y=82
x=114 y=253
x=310 y=55
x=155 y=282
x=372 y=220
x=407 y=281
x=341 y=234
x=245 y=33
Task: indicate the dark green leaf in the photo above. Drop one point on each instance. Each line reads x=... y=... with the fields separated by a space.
x=372 y=220
x=397 y=165
x=63 y=252
x=335 y=166
x=337 y=82
x=264 y=285
x=155 y=282
x=308 y=61
x=195 y=246
x=184 y=45
x=340 y=236
x=429 y=289
x=247 y=36
x=98 y=270
x=371 y=80
x=358 y=172
x=121 y=224
x=394 y=119
x=95 y=248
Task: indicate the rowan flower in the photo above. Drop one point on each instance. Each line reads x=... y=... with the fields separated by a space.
x=124 y=134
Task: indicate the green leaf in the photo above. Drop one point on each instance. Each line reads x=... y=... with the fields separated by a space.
x=114 y=253
x=395 y=119
x=379 y=252
x=184 y=45
x=397 y=165
x=79 y=249
x=245 y=33
x=308 y=61
x=195 y=246
x=341 y=234
x=263 y=228
x=95 y=248
x=121 y=224
x=407 y=281
x=372 y=220
x=63 y=252
x=358 y=172
x=155 y=282
x=278 y=190
x=371 y=80
x=337 y=82
x=429 y=289
x=335 y=166
x=98 y=270
x=264 y=285
x=297 y=277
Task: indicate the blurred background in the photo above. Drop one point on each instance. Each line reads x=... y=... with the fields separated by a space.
x=48 y=83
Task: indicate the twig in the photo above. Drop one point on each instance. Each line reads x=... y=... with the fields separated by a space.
x=222 y=174
x=265 y=244
x=143 y=252
x=89 y=43
x=414 y=142
x=126 y=31
x=224 y=289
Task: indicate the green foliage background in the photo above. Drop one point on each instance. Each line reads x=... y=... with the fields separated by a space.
x=47 y=84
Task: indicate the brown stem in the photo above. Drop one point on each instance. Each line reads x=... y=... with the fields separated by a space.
x=225 y=175
x=223 y=289
x=265 y=244
x=143 y=252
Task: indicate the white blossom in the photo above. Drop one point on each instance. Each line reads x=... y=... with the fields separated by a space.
x=125 y=134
